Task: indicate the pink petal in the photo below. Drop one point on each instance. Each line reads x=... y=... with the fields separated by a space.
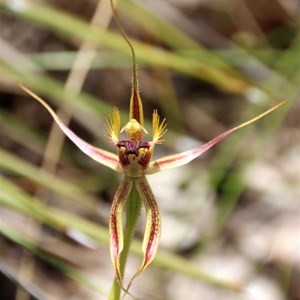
x=177 y=160
x=183 y=158
x=103 y=157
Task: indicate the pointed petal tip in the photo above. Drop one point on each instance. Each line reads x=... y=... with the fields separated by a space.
x=103 y=157
x=177 y=160
x=153 y=225
x=259 y=116
x=116 y=226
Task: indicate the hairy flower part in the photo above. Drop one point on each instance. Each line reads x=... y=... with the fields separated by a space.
x=158 y=128
x=113 y=123
x=134 y=160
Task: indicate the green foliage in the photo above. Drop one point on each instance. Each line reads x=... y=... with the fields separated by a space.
x=182 y=56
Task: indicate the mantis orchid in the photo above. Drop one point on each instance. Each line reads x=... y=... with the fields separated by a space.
x=133 y=159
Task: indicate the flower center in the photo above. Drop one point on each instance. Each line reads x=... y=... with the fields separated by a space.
x=132 y=147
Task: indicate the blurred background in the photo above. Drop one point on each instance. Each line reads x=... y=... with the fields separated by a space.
x=230 y=219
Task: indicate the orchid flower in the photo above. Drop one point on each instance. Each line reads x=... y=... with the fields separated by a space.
x=133 y=159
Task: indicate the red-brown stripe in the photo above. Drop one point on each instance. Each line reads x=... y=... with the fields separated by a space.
x=135 y=106
x=154 y=233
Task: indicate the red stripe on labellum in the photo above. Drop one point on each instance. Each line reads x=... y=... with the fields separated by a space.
x=145 y=159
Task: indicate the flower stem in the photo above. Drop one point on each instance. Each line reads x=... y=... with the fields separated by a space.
x=133 y=208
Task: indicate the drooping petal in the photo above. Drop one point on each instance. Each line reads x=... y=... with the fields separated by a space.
x=116 y=225
x=183 y=158
x=103 y=157
x=136 y=106
x=153 y=225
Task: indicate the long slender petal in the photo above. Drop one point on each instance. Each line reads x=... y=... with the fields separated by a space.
x=116 y=225
x=183 y=158
x=153 y=225
x=103 y=157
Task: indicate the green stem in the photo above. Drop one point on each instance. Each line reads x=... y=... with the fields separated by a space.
x=133 y=208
